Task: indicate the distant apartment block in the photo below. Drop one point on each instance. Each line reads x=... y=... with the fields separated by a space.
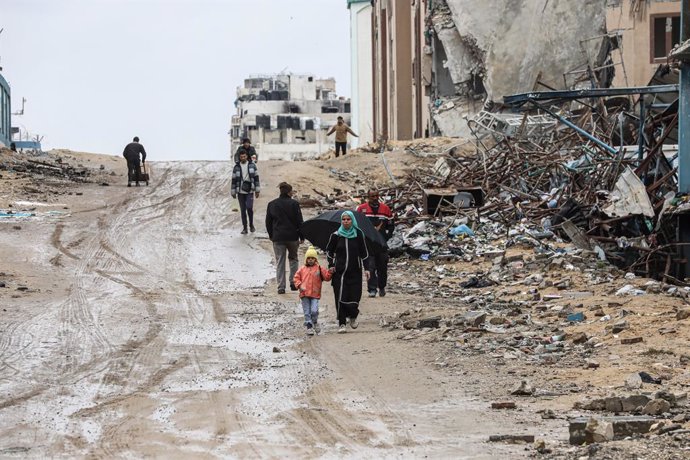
x=286 y=116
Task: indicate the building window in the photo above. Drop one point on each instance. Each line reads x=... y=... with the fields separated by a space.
x=665 y=32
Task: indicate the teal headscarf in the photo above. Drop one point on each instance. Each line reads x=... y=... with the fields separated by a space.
x=352 y=232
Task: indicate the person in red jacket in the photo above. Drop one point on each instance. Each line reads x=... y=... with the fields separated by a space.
x=309 y=279
x=381 y=216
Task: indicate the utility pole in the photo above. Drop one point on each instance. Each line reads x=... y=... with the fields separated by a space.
x=684 y=137
x=684 y=105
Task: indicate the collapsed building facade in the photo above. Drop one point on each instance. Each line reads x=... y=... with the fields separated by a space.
x=423 y=68
x=571 y=110
x=286 y=116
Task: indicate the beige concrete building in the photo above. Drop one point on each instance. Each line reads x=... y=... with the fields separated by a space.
x=401 y=104
x=649 y=30
x=286 y=116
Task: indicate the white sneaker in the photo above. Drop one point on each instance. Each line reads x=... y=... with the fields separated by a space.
x=317 y=328
x=341 y=329
x=310 y=331
x=353 y=323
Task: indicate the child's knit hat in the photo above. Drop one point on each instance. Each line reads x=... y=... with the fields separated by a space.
x=311 y=252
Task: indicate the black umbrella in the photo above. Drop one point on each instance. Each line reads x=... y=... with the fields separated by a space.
x=319 y=229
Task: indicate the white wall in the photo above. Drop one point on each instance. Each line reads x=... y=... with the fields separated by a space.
x=362 y=100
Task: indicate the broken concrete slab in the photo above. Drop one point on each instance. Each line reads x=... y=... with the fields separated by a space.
x=474 y=318
x=598 y=431
x=623 y=426
x=656 y=407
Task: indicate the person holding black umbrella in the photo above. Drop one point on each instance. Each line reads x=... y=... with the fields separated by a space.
x=347 y=254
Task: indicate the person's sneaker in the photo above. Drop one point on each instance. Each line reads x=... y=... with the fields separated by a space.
x=354 y=323
x=372 y=293
x=382 y=292
x=341 y=329
x=293 y=287
x=310 y=329
x=317 y=328
x=281 y=291
x=252 y=229
x=244 y=231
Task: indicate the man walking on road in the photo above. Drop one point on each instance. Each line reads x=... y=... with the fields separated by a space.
x=131 y=154
x=341 y=130
x=247 y=147
x=382 y=218
x=244 y=186
x=284 y=224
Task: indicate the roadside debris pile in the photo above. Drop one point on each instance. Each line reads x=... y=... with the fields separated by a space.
x=38 y=177
x=545 y=254
x=529 y=178
x=45 y=164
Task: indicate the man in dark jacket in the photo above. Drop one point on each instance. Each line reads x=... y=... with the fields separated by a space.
x=131 y=154
x=381 y=216
x=247 y=147
x=284 y=225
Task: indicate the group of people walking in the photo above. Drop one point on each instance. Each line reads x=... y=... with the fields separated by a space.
x=347 y=255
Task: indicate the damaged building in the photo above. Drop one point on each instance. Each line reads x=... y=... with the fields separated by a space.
x=481 y=54
x=286 y=116
x=570 y=113
x=426 y=67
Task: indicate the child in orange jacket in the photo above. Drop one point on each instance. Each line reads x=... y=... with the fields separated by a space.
x=308 y=280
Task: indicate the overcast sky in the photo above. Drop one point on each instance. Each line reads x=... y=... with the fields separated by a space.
x=95 y=73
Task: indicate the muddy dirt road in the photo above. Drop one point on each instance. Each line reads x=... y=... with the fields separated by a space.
x=150 y=328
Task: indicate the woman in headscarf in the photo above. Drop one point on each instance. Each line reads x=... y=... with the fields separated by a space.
x=346 y=252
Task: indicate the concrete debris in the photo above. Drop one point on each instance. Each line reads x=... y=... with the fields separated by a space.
x=622 y=426
x=512 y=438
x=503 y=405
x=598 y=431
x=633 y=382
x=524 y=389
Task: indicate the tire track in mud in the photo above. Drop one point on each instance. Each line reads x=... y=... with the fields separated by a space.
x=79 y=334
x=77 y=316
x=329 y=423
x=181 y=292
x=57 y=243
x=117 y=435
x=155 y=379
x=102 y=261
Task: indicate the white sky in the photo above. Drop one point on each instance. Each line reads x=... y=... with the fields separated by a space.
x=95 y=73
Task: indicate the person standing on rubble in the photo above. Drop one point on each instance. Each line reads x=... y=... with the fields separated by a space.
x=247 y=147
x=341 y=130
x=245 y=186
x=131 y=154
x=347 y=253
x=381 y=216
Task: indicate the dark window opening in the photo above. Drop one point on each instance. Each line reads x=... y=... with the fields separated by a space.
x=665 y=34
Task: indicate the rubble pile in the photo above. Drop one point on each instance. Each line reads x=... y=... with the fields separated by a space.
x=565 y=265
x=39 y=176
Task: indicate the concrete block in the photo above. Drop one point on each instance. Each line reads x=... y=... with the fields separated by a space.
x=623 y=426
